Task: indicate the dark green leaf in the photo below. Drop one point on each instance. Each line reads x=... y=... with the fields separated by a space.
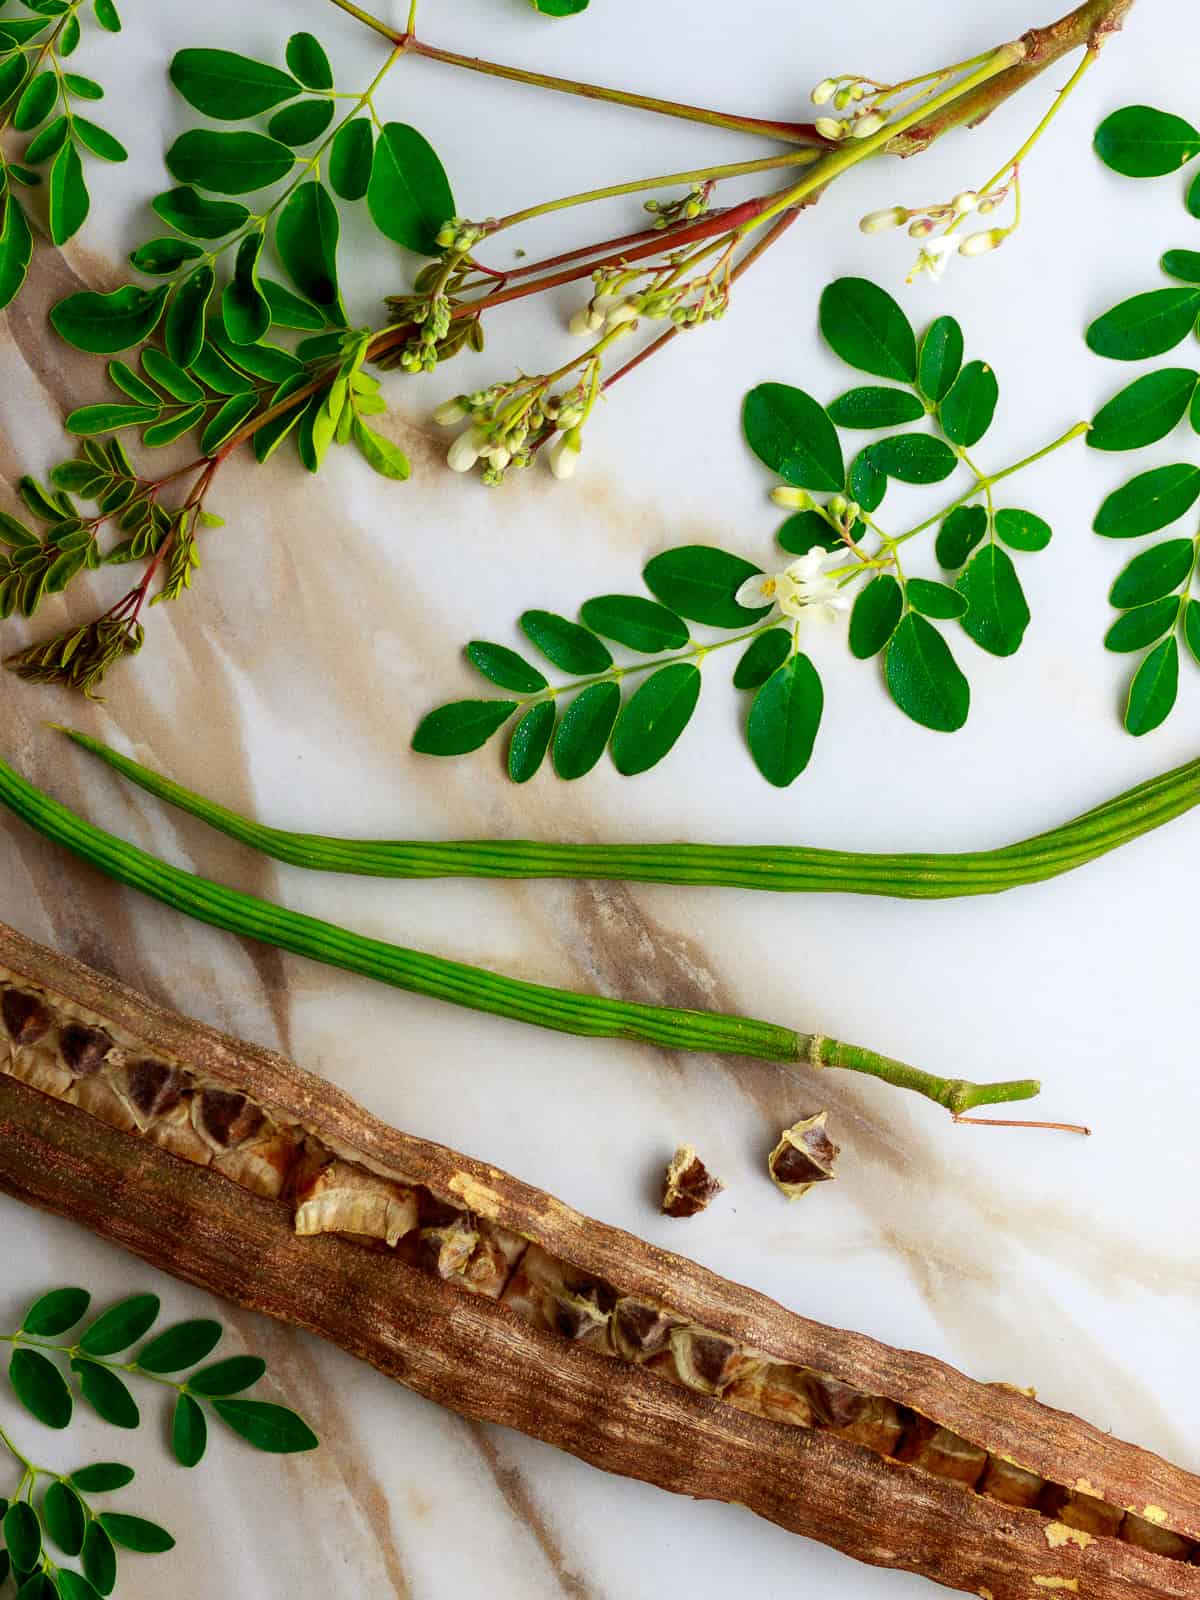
x=38 y=1586
x=13 y=72
x=959 y=534
x=118 y=1327
x=228 y=86
x=80 y=477
x=1193 y=197
x=699 y=582
x=941 y=357
x=106 y=416
x=307 y=61
x=584 y=729
x=1022 y=530
x=808 y=530
x=350 y=158
x=1154 y=687
x=301 y=123
x=197 y=216
x=560 y=8
x=867 y=328
x=18 y=537
x=761 y=657
x=160 y=433
x=1143 y=625
x=997 y=614
x=505 y=667
x=64 y=1518
x=531 y=736
x=784 y=718
x=923 y=678
x=935 y=599
x=159 y=257
x=99 y=1559
x=67 y=566
x=19 y=32
x=463 y=725
x=5 y=1558
x=36 y=103
x=189 y=1431
x=1144 y=412
x=875 y=616
x=913 y=457
x=40 y=1387
x=967 y=411
x=866 y=483
x=236 y=410
x=105 y=323
x=323 y=347
x=53 y=1313
x=1183 y=264
x=135 y=1533
x=49 y=141
x=244 y=313
x=637 y=623
x=22 y=1535
x=1153 y=574
x=69 y=200
x=83 y=88
x=654 y=717
x=287 y=309
x=184 y=331
x=792 y=434
x=71 y=1586
x=16 y=248
x=408 y=194
x=1143 y=143
x=571 y=648
x=270 y=435
x=228 y=163
x=98 y=140
x=102 y=1476
x=306 y=237
x=387 y=458
x=1146 y=325
x=875 y=407
x=267 y=1427
x=169 y=375
x=106 y=1394
x=1149 y=502
x=215 y=369
x=1191 y=628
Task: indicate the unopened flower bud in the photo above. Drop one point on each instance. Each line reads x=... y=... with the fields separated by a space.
x=880 y=221
x=920 y=229
x=830 y=127
x=853 y=511
x=586 y=320
x=564 y=454
x=838 y=505
x=792 y=499
x=964 y=202
x=627 y=311
x=842 y=99
x=450 y=412
x=824 y=91
x=466 y=449
x=985 y=206
x=871 y=123
x=978 y=244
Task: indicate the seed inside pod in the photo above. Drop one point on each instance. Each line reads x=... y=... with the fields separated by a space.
x=641 y=1331
x=689 y=1185
x=26 y=1019
x=83 y=1049
x=225 y=1119
x=152 y=1088
x=804 y=1155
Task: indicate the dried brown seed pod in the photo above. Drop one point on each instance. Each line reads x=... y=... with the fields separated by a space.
x=689 y=1185
x=804 y=1155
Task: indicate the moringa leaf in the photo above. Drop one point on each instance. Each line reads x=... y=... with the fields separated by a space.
x=99 y=1559
x=505 y=667
x=790 y=433
x=380 y=453
x=571 y=648
x=583 y=730
x=784 y=718
x=69 y=200
x=22 y=1535
x=1154 y=688
x=997 y=611
x=287 y=309
x=654 y=717
x=184 y=331
x=1146 y=325
x=228 y=86
x=1191 y=627
x=923 y=677
x=179 y=384
x=40 y=1387
x=227 y=420
x=808 y=530
x=306 y=237
x=1136 y=629
x=967 y=411
x=958 y=535
x=637 y=623
x=135 y=1533
x=55 y=1312
x=109 y=415
x=228 y=163
x=189 y=1431
x=530 y=740
x=1144 y=412
x=1149 y=502
x=875 y=407
x=308 y=62
x=876 y=615
x=350 y=157
x=160 y=257
x=761 y=657
x=267 y=1427
x=461 y=726
x=118 y=1327
x=98 y=140
x=913 y=457
x=106 y=1394
x=941 y=358
x=64 y=1517
x=408 y=194
x=868 y=329
x=935 y=599
x=1183 y=264
x=699 y=582
x=1154 y=573
x=197 y=216
x=37 y=100
x=1140 y=142
x=244 y=313
x=1022 y=530
x=16 y=249
x=101 y=1476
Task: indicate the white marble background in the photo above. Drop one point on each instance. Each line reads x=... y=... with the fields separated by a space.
x=329 y=616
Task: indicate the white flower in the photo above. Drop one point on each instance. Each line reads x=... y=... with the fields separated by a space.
x=466 y=449
x=824 y=91
x=564 y=453
x=880 y=221
x=804 y=588
x=935 y=255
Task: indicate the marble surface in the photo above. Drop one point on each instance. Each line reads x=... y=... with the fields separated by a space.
x=329 y=615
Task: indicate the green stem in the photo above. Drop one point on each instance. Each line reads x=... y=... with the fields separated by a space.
x=28 y=1470
x=588 y=1015
x=732 y=169
x=780 y=868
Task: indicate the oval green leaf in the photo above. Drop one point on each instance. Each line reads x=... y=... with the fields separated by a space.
x=118 y=1327
x=287 y=309
x=941 y=358
x=135 y=1533
x=1140 y=142
x=1183 y=264
x=69 y=202
x=790 y=433
x=998 y=612
x=1153 y=573
x=1154 y=688
x=637 y=623
x=875 y=406
x=36 y=102
x=158 y=258
x=959 y=534
x=102 y=1476
x=1022 y=530
x=107 y=416
x=300 y=124
x=584 y=729
x=244 y=313
x=571 y=648
x=197 y=216
x=784 y=718
x=98 y=140
x=267 y=1427
x=762 y=656
x=1144 y=412
x=22 y=1535
x=16 y=249
x=64 y=1517
x=699 y=582
x=189 y=1431
x=228 y=86
x=935 y=599
x=55 y=1312
x=106 y=1394
x=461 y=726
x=169 y=375
x=1143 y=625
x=408 y=194
x=99 y=1559
x=531 y=737
x=179 y=1346
x=875 y=616
x=40 y=1387
x=71 y=1586
x=654 y=717
x=184 y=331
x=380 y=453
x=350 y=158
x=807 y=530
x=1148 y=502
x=306 y=237
x=914 y=458
x=1145 y=325
x=923 y=677
x=867 y=328
x=505 y=667
x=307 y=61
x=967 y=411
x=228 y=163
x=866 y=483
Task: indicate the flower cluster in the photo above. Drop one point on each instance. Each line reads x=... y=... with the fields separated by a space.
x=858 y=96
x=924 y=221
x=668 y=213
x=511 y=422
x=688 y=302
x=805 y=589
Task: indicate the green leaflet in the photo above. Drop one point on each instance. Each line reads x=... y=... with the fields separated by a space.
x=876 y=614
x=106 y=1394
x=41 y=1389
x=102 y=1476
x=966 y=412
x=806 y=530
x=179 y=384
x=228 y=163
x=135 y=1533
x=584 y=729
x=913 y=457
x=244 y=311
x=867 y=328
x=182 y=1345
x=959 y=534
x=1191 y=628
x=941 y=358
x=997 y=611
x=560 y=8
x=99 y=1559
x=230 y=1376
x=55 y=1312
x=637 y=623
x=36 y=102
x=1154 y=573
x=1143 y=625
x=875 y=407
x=308 y=62
x=160 y=257
x=228 y=86
x=1144 y=412
x=933 y=599
x=1022 y=530
x=107 y=416
x=461 y=726
x=98 y=140
x=120 y=1326
x=189 y=1431
x=379 y=452
x=654 y=717
x=408 y=194
x=923 y=678
x=571 y=648
x=505 y=667
x=267 y=1427
x=784 y=718
x=1149 y=502
x=1154 y=688
x=64 y=1517
x=301 y=123
x=288 y=310
x=761 y=657
x=1146 y=325
x=228 y=419
x=105 y=323
x=530 y=741
x=350 y=157
x=1183 y=264
x=306 y=237
x=22 y=1534
x=16 y=248
x=197 y=216
x=699 y=582
x=69 y=201
x=790 y=433
x=185 y=320
x=1140 y=142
